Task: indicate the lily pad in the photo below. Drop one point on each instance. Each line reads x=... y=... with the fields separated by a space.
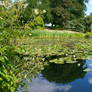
x=58 y=61
x=87 y=70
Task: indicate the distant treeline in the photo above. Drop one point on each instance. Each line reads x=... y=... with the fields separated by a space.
x=62 y=14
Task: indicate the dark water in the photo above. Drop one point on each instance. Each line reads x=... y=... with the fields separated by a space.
x=63 y=78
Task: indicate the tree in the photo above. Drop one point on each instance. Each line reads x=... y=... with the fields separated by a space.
x=64 y=11
x=82 y=24
x=11 y=13
x=3 y=11
x=88 y=23
x=57 y=12
x=35 y=8
x=60 y=11
x=63 y=73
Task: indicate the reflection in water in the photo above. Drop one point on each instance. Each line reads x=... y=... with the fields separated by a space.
x=88 y=64
x=42 y=85
x=62 y=78
x=90 y=80
x=64 y=73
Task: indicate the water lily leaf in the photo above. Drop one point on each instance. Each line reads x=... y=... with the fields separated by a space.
x=87 y=70
x=53 y=61
x=68 y=59
x=58 y=61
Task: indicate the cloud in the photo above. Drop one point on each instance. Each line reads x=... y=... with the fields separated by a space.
x=90 y=2
x=90 y=80
x=38 y=85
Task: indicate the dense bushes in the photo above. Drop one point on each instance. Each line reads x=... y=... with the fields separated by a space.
x=88 y=23
x=37 y=23
x=88 y=35
x=82 y=25
x=9 y=60
x=7 y=78
x=77 y=25
x=12 y=62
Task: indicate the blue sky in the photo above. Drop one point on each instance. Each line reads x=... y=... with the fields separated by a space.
x=89 y=7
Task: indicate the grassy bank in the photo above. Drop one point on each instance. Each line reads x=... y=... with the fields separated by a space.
x=44 y=33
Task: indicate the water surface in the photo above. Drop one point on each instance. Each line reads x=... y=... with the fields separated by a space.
x=63 y=78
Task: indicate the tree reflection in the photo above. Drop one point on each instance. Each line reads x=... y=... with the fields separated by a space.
x=64 y=73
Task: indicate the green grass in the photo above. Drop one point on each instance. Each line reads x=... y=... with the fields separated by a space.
x=43 y=33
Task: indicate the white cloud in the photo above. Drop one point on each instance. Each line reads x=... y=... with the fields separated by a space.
x=38 y=85
x=90 y=2
x=90 y=80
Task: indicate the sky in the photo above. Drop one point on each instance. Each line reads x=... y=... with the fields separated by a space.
x=89 y=7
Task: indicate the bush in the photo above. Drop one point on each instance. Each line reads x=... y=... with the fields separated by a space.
x=88 y=23
x=38 y=23
x=88 y=35
x=77 y=25
x=7 y=78
x=1 y=24
x=32 y=25
x=27 y=27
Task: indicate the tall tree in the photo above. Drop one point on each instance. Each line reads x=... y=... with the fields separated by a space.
x=11 y=13
x=88 y=23
x=36 y=8
x=57 y=12
x=64 y=11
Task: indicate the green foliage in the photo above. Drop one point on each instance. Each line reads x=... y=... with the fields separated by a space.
x=43 y=33
x=61 y=50
x=77 y=25
x=7 y=57
x=27 y=26
x=63 y=11
x=38 y=23
x=58 y=12
x=88 y=23
x=12 y=61
x=35 y=8
x=82 y=25
x=88 y=35
x=18 y=53
x=7 y=78
x=11 y=14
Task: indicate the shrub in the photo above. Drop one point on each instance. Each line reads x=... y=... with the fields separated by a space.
x=7 y=78
x=77 y=25
x=88 y=35
x=38 y=23
x=88 y=23
x=27 y=27
x=31 y=25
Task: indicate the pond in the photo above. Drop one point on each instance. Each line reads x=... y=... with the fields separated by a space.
x=62 y=78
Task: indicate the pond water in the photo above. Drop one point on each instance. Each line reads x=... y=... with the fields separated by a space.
x=62 y=78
